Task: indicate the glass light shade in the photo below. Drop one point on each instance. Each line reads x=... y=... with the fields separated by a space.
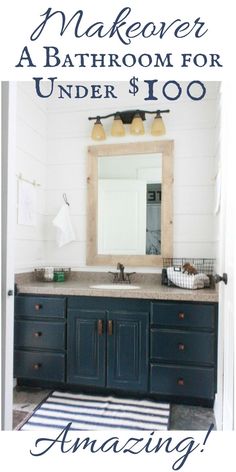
x=158 y=127
x=117 y=128
x=98 y=133
x=137 y=125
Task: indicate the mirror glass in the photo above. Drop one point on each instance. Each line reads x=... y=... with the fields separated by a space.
x=129 y=204
x=129 y=211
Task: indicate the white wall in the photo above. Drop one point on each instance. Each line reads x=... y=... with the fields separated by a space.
x=192 y=126
x=31 y=164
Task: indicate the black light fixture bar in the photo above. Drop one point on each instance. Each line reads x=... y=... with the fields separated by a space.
x=128 y=115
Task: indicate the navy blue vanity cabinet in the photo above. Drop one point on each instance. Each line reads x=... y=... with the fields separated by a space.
x=108 y=343
x=40 y=338
x=183 y=351
x=164 y=349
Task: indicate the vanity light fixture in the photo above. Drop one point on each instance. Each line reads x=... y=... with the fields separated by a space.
x=133 y=117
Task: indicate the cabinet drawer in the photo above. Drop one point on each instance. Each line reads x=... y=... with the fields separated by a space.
x=182 y=381
x=39 y=334
x=195 y=315
x=40 y=306
x=182 y=346
x=39 y=365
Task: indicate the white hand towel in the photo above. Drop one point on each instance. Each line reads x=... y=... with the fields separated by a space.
x=65 y=231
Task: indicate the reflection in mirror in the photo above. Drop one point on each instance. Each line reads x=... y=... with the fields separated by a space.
x=153 y=221
x=129 y=204
x=129 y=212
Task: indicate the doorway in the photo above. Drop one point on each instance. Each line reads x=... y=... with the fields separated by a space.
x=224 y=408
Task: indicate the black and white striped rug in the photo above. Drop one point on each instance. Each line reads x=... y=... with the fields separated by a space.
x=92 y=412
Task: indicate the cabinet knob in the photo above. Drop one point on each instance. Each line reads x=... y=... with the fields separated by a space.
x=181 y=347
x=37 y=334
x=181 y=315
x=180 y=381
x=36 y=366
x=37 y=306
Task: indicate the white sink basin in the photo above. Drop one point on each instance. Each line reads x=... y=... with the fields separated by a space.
x=115 y=286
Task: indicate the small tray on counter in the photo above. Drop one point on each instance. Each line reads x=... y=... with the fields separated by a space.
x=52 y=274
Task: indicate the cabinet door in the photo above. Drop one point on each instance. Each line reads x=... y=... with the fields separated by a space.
x=86 y=347
x=127 y=351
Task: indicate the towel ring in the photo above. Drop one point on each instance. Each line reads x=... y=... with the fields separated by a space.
x=65 y=199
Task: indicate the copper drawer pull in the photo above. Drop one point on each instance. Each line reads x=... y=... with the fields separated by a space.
x=37 y=334
x=181 y=347
x=36 y=366
x=110 y=328
x=181 y=316
x=180 y=382
x=100 y=327
x=37 y=306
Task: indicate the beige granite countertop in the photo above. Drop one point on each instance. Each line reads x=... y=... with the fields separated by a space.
x=80 y=284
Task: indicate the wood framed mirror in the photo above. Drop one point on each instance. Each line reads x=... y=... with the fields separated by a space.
x=130 y=203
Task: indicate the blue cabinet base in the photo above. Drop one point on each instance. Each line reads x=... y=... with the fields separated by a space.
x=165 y=350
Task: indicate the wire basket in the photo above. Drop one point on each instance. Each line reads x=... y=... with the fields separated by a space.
x=201 y=266
x=42 y=274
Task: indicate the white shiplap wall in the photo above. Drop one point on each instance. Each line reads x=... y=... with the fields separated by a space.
x=192 y=126
x=31 y=143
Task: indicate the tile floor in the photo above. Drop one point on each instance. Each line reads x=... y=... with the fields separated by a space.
x=25 y=400
x=183 y=417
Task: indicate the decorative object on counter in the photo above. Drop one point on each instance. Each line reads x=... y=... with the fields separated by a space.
x=189 y=269
x=187 y=280
x=190 y=273
x=133 y=117
x=59 y=276
x=91 y=412
x=62 y=221
x=48 y=274
x=52 y=274
x=121 y=276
